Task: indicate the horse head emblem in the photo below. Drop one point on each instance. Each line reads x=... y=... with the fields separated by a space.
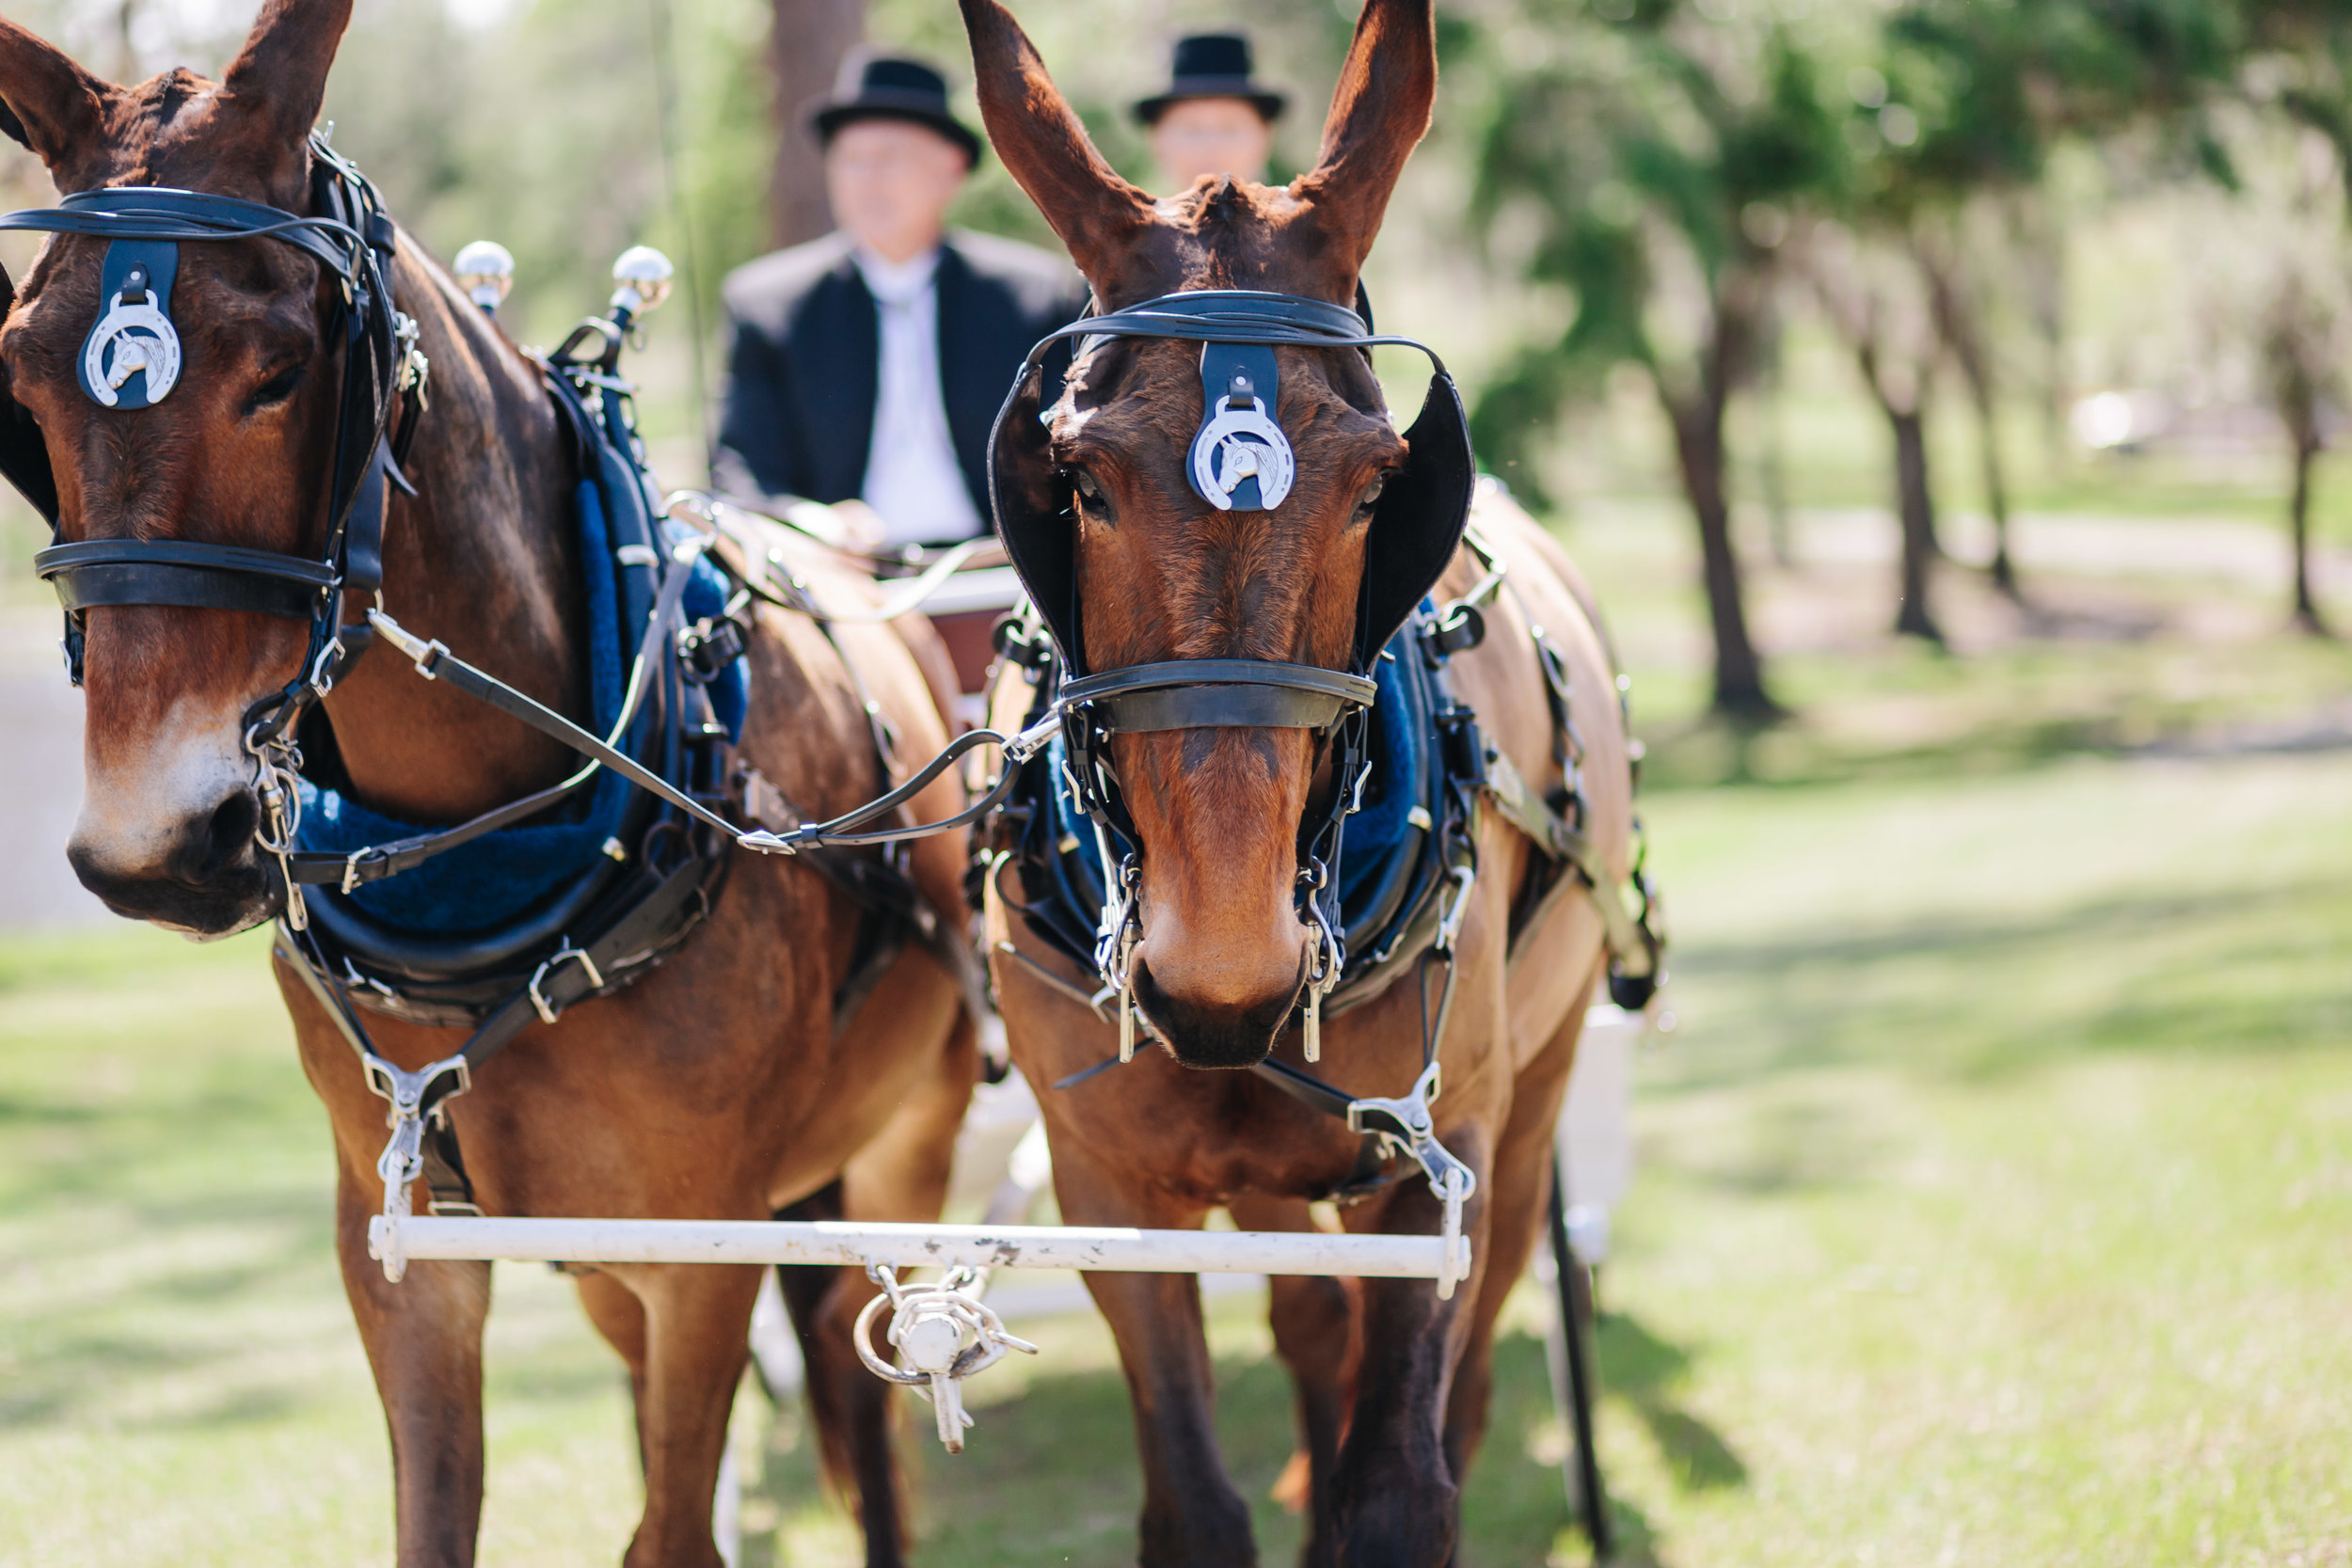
x=1240 y=443
x=134 y=336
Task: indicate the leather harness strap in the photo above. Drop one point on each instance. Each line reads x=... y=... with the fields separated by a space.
x=1518 y=804
x=1204 y=693
x=97 y=572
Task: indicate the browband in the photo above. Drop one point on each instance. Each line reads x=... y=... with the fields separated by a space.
x=1217 y=693
x=1237 y=316
x=163 y=213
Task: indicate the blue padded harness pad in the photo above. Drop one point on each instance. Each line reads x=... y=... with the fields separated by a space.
x=501 y=876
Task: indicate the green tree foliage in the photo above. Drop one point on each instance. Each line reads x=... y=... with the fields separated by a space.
x=1659 y=157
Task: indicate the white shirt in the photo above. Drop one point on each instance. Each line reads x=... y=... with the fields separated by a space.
x=913 y=480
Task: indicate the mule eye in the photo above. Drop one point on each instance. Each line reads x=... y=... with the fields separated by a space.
x=278 y=389
x=1091 y=495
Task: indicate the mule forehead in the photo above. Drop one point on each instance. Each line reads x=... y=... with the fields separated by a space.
x=176 y=129
x=1229 y=233
x=1177 y=576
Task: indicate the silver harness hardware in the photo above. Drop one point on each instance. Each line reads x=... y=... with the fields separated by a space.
x=403 y=1160
x=1114 y=949
x=1403 y=1127
x=1242 y=441
x=944 y=1332
x=549 y=1013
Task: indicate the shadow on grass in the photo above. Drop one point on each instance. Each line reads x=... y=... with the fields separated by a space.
x=1977 y=999
x=1646 y=1371
x=1050 y=1476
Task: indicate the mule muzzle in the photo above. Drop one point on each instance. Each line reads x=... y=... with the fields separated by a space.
x=1223 y=1018
x=202 y=876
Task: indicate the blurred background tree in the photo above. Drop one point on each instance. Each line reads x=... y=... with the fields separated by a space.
x=806 y=41
x=1714 y=201
x=1656 y=157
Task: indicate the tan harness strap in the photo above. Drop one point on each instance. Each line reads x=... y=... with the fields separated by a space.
x=1519 y=805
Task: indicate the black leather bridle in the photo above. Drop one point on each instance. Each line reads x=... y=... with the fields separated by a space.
x=353 y=239
x=383 y=374
x=1414 y=533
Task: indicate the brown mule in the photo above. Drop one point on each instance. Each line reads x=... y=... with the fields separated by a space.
x=719 y=1085
x=1392 y=1381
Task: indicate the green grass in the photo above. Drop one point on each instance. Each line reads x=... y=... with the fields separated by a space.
x=1992 y=1209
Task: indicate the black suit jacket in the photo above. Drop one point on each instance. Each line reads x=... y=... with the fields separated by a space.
x=805 y=367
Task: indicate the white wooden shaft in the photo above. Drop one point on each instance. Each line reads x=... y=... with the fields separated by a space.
x=1002 y=1246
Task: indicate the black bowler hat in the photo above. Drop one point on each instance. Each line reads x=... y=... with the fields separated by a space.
x=1210 y=65
x=890 y=87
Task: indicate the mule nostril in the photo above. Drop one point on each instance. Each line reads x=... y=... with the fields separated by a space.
x=220 y=839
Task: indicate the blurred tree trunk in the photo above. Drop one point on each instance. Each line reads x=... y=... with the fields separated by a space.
x=1959 y=324
x=2305 y=607
x=1917 y=507
x=1696 y=413
x=2296 y=353
x=1903 y=401
x=1772 y=431
x=805 y=45
x=126 y=60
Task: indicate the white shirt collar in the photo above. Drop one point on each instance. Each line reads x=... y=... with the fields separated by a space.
x=897 y=282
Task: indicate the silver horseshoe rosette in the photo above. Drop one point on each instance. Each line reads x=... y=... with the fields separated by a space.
x=1241 y=442
x=130 y=339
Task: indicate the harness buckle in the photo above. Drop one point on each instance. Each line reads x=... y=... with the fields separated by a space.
x=550 y=1011
x=321 y=679
x=365 y=854
x=1114 y=949
x=1330 y=958
x=708 y=647
x=1454 y=907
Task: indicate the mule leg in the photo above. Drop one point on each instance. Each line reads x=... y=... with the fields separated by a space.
x=1395 y=1503
x=620 y=1318
x=697 y=1322
x=424 y=1339
x=900 y=1175
x=1520 y=1185
x=1193 y=1516
x=1314 y=1320
x=850 y=1406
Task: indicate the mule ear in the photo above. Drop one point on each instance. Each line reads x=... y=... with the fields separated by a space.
x=1379 y=112
x=279 y=80
x=1042 y=143
x=51 y=104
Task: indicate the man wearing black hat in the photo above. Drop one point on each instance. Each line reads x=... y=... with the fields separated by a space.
x=1214 y=118
x=868 y=365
